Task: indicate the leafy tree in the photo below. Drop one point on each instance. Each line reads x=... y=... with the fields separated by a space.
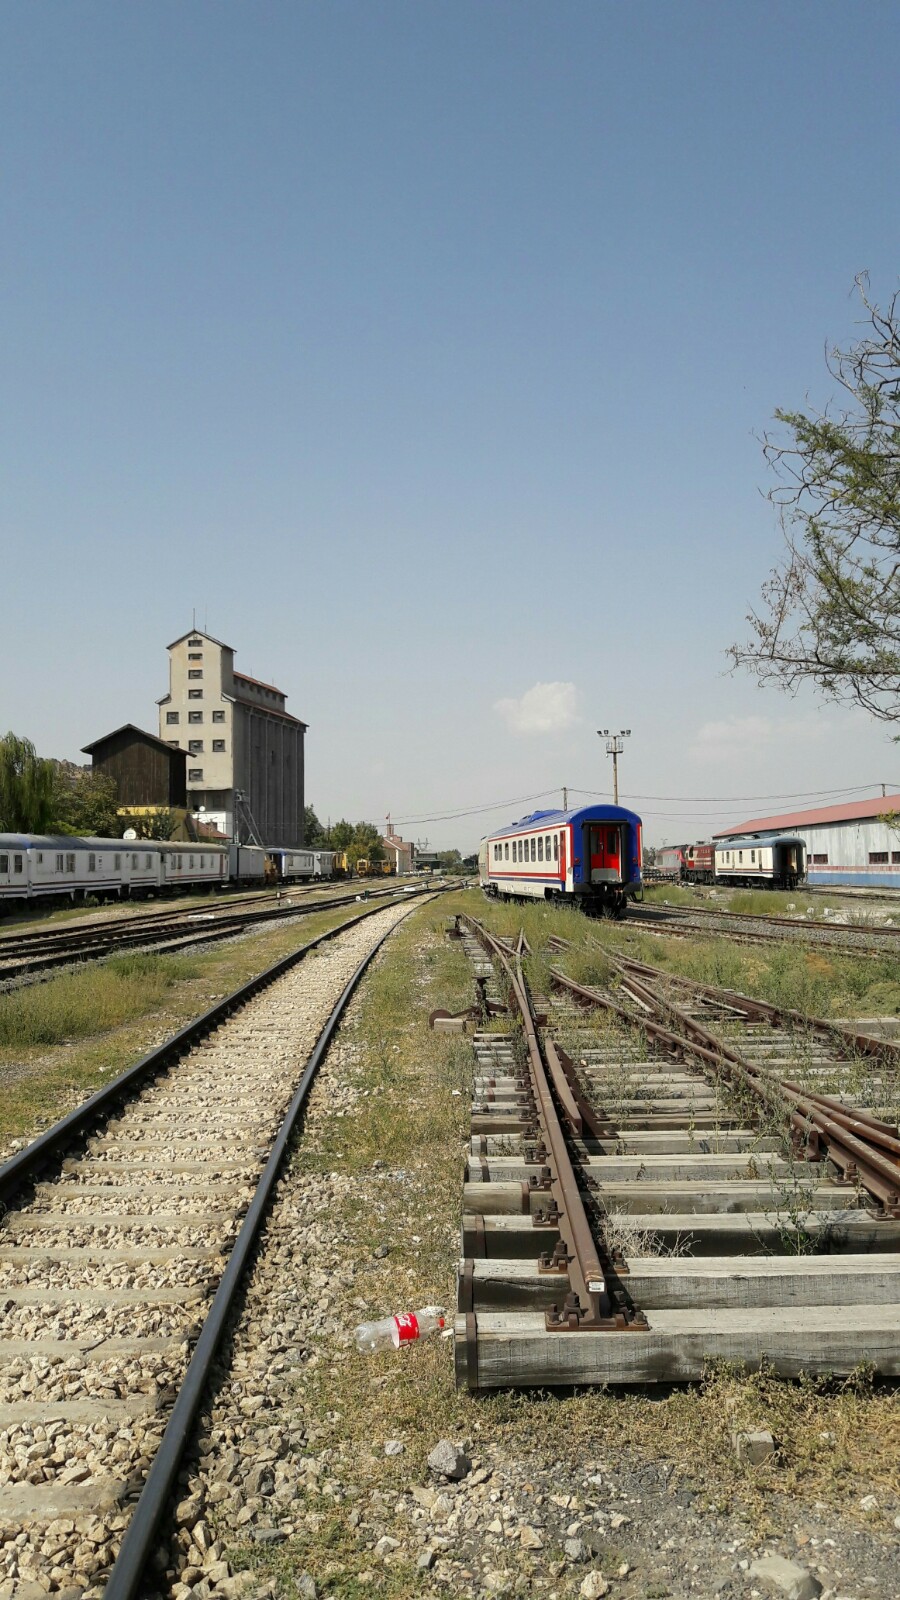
x=339 y=835
x=450 y=860
x=365 y=844
x=158 y=824
x=85 y=802
x=830 y=611
x=313 y=832
x=26 y=787
x=361 y=840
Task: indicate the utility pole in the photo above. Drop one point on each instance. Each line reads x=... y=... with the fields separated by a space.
x=565 y=798
x=615 y=744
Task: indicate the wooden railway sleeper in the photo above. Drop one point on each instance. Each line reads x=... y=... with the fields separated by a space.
x=593 y=1302
x=845 y=1143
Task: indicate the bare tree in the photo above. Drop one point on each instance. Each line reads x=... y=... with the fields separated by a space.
x=830 y=611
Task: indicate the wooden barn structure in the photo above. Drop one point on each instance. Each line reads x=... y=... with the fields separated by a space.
x=147 y=771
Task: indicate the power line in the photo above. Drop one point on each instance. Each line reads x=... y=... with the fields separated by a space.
x=746 y=799
x=473 y=811
x=599 y=794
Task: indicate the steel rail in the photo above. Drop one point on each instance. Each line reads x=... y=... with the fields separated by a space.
x=775 y=920
x=589 y=1304
x=226 y=926
x=27 y=1162
x=138 y=1543
x=881 y=1049
x=849 y=1148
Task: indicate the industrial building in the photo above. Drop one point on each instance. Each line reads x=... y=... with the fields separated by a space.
x=856 y=842
x=245 y=757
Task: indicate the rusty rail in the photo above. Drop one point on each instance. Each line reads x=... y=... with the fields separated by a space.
x=589 y=1303
x=848 y=1138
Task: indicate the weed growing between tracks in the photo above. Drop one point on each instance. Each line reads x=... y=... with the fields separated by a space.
x=403 y=1140
x=80 y=1004
x=62 y=1039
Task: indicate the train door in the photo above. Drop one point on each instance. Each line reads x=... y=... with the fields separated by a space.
x=563 y=865
x=605 y=852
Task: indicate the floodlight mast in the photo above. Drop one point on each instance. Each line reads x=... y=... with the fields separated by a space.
x=615 y=744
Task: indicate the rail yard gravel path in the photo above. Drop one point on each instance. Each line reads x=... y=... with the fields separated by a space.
x=272 y=1473
x=104 y=1275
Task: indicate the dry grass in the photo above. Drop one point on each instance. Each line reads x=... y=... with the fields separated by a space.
x=409 y=1116
x=41 y=1082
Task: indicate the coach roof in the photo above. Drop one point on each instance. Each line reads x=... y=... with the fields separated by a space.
x=537 y=820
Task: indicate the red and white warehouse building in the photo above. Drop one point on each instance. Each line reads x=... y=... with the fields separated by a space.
x=856 y=842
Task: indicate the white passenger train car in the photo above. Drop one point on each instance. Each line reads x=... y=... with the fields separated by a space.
x=776 y=862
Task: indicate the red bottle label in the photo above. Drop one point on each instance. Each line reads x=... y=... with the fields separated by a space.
x=407 y=1326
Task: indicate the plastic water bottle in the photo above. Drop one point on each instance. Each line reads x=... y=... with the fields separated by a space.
x=391 y=1332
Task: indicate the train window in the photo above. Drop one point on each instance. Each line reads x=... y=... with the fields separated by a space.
x=148 y=860
x=70 y=863
x=219 y=745
x=611 y=841
x=895 y=858
x=4 y=863
x=17 y=863
x=519 y=849
x=59 y=863
x=117 y=864
x=556 y=847
x=822 y=861
x=740 y=855
x=40 y=856
x=218 y=716
x=202 y=861
x=534 y=849
x=195 y=716
x=547 y=847
x=92 y=863
x=753 y=857
x=506 y=851
x=195 y=694
x=541 y=848
x=195 y=672
x=171 y=717
x=877 y=857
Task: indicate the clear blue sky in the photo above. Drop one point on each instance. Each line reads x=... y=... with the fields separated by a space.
x=421 y=348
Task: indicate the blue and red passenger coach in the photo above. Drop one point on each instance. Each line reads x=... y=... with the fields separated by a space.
x=590 y=857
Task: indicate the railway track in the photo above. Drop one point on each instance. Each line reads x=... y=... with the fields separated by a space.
x=127 y=1230
x=36 y=955
x=691 y=922
x=662 y=1174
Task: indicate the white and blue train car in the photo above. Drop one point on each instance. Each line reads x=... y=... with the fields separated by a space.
x=777 y=862
x=187 y=866
x=293 y=866
x=590 y=857
x=37 y=867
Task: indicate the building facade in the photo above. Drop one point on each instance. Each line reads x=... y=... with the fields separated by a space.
x=399 y=852
x=245 y=757
x=856 y=843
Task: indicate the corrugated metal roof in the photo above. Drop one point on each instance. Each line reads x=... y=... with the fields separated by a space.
x=848 y=811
